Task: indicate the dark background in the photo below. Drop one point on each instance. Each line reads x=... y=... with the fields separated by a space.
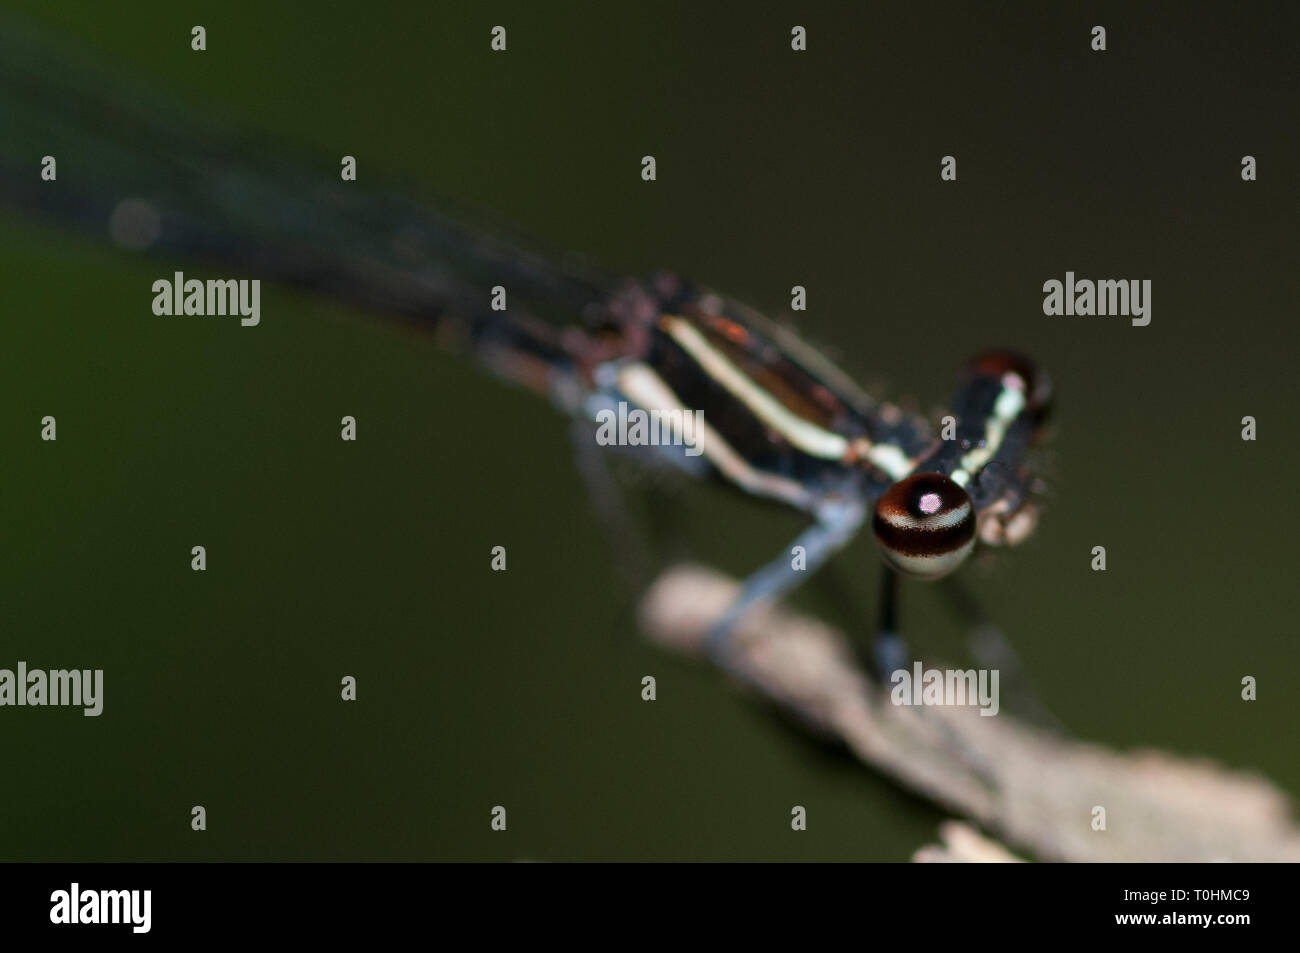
x=775 y=168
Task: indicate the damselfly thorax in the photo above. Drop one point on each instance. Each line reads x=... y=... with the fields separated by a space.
x=782 y=423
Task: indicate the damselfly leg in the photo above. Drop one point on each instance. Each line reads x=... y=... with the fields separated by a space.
x=836 y=526
x=992 y=651
x=593 y=463
x=888 y=651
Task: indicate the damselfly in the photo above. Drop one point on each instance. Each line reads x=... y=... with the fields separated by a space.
x=780 y=422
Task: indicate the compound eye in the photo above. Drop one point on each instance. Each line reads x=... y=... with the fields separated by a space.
x=925 y=525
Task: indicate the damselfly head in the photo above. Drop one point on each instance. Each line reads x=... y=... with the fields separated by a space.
x=925 y=525
x=1006 y=399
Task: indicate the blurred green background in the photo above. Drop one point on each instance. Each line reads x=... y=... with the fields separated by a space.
x=522 y=689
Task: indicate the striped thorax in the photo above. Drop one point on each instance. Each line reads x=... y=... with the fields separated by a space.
x=780 y=422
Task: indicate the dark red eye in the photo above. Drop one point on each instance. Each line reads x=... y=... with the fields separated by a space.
x=925 y=525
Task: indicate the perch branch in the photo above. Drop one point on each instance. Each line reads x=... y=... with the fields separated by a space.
x=962 y=844
x=1032 y=789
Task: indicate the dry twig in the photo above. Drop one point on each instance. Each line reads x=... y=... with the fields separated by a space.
x=1032 y=789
